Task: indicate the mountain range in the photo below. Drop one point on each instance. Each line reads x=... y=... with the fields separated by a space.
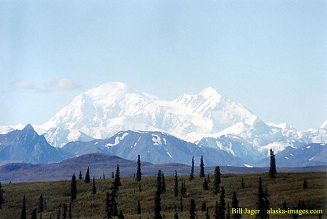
x=112 y=118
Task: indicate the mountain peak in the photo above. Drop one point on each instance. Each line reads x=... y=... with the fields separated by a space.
x=210 y=92
x=28 y=128
x=324 y=125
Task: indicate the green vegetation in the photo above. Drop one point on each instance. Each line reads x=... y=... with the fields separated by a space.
x=284 y=190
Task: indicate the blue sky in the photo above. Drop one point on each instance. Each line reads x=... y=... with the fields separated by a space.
x=268 y=55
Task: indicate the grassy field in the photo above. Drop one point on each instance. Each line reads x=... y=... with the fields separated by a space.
x=286 y=187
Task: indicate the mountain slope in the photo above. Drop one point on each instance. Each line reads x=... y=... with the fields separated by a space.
x=313 y=154
x=154 y=147
x=103 y=111
x=29 y=147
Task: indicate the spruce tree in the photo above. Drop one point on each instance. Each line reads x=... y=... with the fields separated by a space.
x=305 y=184
x=94 y=189
x=181 y=203
x=272 y=169
x=207 y=216
x=23 y=213
x=216 y=214
x=201 y=167
x=138 y=210
x=121 y=215
x=112 y=175
x=73 y=189
x=192 y=209
x=157 y=199
x=176 y=215
x=87 y=176
x=70 y=211
x=222 y=205
x=284 y=206
x=40 y=205
x=163 y=190
x=235 y=206
x=192 y=170
x=117 y=176
x=64 y=212
x=208 y=178
x=242 y=183
x=261 y=205
x=33 y=215
x=216 y=182
x=204 y=206
x=228 y=212
x=2 y=200
x=138 y=169
x=205 y=185
x=80 y=177
x=176 y=184
x=107 y=204
x=183 y=188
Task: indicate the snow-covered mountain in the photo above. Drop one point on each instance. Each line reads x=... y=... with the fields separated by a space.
x=103 y=111
x=154 y=147
x=314 y=154
x=207 y=119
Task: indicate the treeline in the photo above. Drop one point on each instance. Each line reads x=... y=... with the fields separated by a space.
x=213 y=185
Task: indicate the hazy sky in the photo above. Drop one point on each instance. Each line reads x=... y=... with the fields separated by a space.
x=271 y=56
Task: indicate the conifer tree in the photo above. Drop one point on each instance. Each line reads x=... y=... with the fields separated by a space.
x=107 y=203
x=70 y=211
x=112 y=175
x=222 y=205
x=207 y=216
x=121 y=215
x=285 y=206
x=117 y=176
x=138 y=211
x=261 y=202
x=192 y=170
x=201 y=167
x=73 y=189
x=242 y=183
x=228 y=212
x=87 y=176
x=23 y=213
x=272 y=169
x=138 y=170
x=204 y=206
x=64 y=212
x=235 y=205
x=2 y=200
x=305 y=184
x=205 y=184
x=176 y=184
x=176 y=214
x=216 y=214
x=94 y=189
x=192 y=209
x=40 y=205
x=157 y=199
x=33 y=215
x=163 y=190
x=216 y=182
x=183 y=188
x=80 y=177
x=181 y=203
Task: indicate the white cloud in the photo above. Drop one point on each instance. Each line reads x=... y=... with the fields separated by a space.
x=63 y=84
x=21 y=84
